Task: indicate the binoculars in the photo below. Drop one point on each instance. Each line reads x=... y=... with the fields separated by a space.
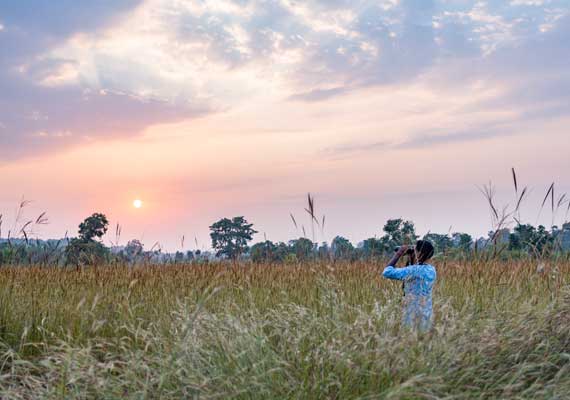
x=409 y=251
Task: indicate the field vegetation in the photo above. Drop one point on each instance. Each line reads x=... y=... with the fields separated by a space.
x=297 y=320
x=309 y=330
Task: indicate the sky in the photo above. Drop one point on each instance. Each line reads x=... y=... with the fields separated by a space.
x=206 y=109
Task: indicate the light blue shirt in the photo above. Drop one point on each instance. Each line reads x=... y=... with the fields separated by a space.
x=418 y=285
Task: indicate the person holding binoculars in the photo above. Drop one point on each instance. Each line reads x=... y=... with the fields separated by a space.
x=418 y=280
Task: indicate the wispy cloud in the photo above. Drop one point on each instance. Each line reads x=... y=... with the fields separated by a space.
x=350 y=149
x=318 y=94
x=105 y=70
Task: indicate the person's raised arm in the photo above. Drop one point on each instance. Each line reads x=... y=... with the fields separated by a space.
x=401 y=251
x=391 y=272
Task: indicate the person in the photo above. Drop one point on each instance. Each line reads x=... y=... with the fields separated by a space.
x=418 y=280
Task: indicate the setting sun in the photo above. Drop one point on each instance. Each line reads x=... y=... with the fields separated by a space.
x=137 y=203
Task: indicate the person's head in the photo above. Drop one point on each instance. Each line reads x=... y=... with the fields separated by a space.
x=424 y=251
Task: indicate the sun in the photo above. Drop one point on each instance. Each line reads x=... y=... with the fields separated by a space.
x=137 y=203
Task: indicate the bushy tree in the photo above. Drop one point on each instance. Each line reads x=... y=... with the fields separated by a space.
x=398 y=232
x=263 y=252
x=133 y=250
x=536 y=241
x=179 y=257
x=324 y=251
x=81 y=252
x=372 y=248
x=230 y=236
x=544 y=241
x=342 y=249
x=440 y=242
x=462 y=241
x=302 y=248
x=94 y=227
x=85 y=250
x=282 y=251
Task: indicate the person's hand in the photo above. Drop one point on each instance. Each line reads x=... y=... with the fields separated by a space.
x=403 y=249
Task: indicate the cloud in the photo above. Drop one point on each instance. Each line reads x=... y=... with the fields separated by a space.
x=318 y=94
x=527 y=2
x=36 y=119
x=33 y=26
x=350 y=149
x=532 y=84
x=347 y=45
x=43 y=107
x=476 y=133
x=534 y=87
x=337 y=43
x=424 y=140
x=71 y=71
x=533 y=75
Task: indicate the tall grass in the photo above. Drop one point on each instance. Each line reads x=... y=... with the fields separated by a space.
x=303 y=331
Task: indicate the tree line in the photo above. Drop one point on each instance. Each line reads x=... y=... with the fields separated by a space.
x=231 y=238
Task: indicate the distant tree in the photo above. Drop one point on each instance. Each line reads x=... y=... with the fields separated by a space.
x=440 y=242
x=372 y=248
x=263 y=252
x=544 y=241
x=462 y=241
x=230 y=236
x=342 y=249
x=94 y=227
x=563 y=237
x=85 y=250
x=189 y=255
x=179 y=257
x=302 y=248
x=398 y=232
x=324 y=251
x=523 y=237
x=81 y=252
x=133 y=250
x=536 y=241
x=282 y=251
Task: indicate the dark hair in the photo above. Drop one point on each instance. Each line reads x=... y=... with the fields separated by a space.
x=425 y=250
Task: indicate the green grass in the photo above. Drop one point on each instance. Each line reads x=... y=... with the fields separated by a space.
x=501 y=330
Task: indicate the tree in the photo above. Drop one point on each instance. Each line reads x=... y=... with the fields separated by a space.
x=263 y=252
x=324 y=251
x=230 y=236
x=544 y=241
x=398 y=232
x=81 y=252
x=302 y=248
x=563 y=237
x=342 y=248
x=85 y=250
x=440 y=242
x=462 y=241
x=134 y=249
x=93 y=227
x=530 y=239
x=372 y=248
x=281 y=252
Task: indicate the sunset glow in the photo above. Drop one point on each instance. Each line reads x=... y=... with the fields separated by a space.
x=380 y=109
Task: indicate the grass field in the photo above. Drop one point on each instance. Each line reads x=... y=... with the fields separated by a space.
x=502 y=330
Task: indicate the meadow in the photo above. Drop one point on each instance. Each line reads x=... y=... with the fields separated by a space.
x=303 y=331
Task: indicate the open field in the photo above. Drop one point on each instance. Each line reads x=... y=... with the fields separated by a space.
x=501 y=329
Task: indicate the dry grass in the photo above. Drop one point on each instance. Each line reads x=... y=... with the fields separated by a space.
x=304 y=331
